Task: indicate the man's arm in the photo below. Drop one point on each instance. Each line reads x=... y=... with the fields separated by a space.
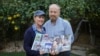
x=68 y=30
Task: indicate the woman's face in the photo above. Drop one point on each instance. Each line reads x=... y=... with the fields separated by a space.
x=39 y=20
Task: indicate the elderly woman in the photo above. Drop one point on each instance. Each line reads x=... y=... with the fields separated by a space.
x=30 y=33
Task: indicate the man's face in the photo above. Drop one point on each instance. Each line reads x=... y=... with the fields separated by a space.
x=39 y=20
x=54 y=13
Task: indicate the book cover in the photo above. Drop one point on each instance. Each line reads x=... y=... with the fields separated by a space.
x=58 y=43
x=37 y=42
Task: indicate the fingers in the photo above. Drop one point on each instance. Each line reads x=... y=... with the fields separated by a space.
x=53 y=52
x=41 y=52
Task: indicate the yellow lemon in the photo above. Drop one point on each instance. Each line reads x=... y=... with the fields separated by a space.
x=17 y=15
x=14 y=16
x=13 y=22
x=9 y=18
x=16 y=28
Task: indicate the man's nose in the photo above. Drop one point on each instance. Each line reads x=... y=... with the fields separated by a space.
x=53 y=13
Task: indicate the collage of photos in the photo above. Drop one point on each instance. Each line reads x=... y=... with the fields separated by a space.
x=46 y=44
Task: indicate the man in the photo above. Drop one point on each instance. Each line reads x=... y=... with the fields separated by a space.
x=57 y=26
x=30 y=33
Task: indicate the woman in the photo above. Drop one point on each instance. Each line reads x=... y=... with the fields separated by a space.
x=30 y=33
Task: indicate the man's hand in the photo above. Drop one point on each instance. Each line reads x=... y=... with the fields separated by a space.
x=52 y=52
x=41 y=52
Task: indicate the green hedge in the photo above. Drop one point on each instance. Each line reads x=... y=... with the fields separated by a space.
x=16 y=15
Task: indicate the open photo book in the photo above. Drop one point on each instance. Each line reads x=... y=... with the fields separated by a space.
x=46 y=44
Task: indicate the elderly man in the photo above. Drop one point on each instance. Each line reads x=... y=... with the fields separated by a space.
x=58 y=26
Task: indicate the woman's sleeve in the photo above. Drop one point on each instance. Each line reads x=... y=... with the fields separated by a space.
x=28 y=39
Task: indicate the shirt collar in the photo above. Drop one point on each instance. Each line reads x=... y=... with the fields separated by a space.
x=35 y=29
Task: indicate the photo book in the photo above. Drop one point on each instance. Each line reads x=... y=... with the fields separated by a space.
x=58 y=43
